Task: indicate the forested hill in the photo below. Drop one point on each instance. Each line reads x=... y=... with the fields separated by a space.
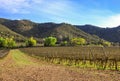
x=28 y=28
x=109 y=34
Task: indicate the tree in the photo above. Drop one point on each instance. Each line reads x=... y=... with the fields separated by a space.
x=78 y=41
x=64 y=43
x=50 y=41
x=30 y=42
x=106 y=43
x=7 y=42
x=3 y=42
x=10 y=42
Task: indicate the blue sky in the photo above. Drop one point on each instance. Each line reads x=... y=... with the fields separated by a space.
x=103 y=13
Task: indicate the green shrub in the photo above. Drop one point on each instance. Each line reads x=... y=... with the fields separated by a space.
x=50 y=41
x=78 y=41
x=11 y=42
x=64 y=43
x=30 y=42
x=7 y=42
x=3 y=42
x=106 y=43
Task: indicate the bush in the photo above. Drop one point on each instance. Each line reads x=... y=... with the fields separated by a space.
x=50 y=41
x=3 y=42
x=10 y=42
x=78 y=41
x=106 y=43
x=7 y=42
x=30 y=42
x=64 y=43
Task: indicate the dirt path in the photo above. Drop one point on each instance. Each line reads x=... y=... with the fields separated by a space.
x=19 y=67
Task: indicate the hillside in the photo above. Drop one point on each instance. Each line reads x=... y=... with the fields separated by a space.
x=110 y=34
x=6 y=32
x=41 y=30
x=63 y=31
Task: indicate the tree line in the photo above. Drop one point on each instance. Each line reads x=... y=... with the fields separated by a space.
x=48 y=41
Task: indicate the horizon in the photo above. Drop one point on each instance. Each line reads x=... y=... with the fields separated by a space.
x=101 y=13
x=59 y=23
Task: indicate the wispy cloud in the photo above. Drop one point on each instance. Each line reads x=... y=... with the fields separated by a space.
x=18 y=6
x=62 y=11
x=111 y=21
x=59 y=10
x=55 y=8
x=46 y=6
x=14 y=6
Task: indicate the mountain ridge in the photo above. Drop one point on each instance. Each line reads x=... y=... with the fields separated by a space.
x=109 y=34
x=28 y=28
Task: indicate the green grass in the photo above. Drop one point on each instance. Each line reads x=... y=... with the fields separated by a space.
x=20 y=58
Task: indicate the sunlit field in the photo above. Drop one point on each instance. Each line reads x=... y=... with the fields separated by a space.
x=93 y=57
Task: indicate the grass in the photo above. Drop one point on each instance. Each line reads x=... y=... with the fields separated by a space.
x=20 y=58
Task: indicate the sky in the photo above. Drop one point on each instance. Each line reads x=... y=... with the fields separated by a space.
x=102 y=13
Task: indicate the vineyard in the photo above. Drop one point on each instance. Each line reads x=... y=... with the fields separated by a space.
x=93 y=57
x=3 y=53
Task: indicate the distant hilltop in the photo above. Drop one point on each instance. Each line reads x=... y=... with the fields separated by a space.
x=26 y=28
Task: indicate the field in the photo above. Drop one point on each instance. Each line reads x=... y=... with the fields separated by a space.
x=59 y=64
x=3 y=52
x=95 y=57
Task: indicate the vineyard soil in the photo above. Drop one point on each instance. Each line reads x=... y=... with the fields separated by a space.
x=18 y=66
